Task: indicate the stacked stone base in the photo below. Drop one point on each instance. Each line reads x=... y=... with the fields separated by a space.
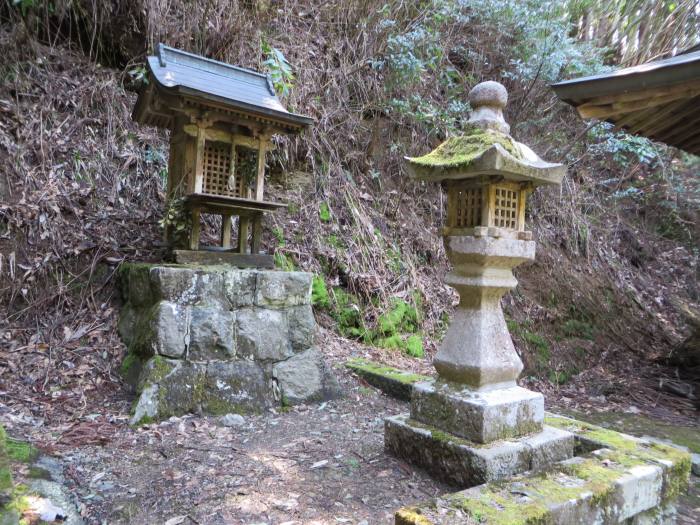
x=621 y=479
x=464 y=463
x=467 y=437
x=216 y=339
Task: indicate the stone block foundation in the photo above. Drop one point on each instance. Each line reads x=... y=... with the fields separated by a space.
x=217 y=339
x=464 y=463
x=616 y=479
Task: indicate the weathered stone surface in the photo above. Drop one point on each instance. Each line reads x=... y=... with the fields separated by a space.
x=207 y=339
x=127 y=324
x=235 y=386
x=549 y=446
x=170 y=334
x=464 y=463
x=232 y=420
x=392 y=381
x=239 y=287
x=180 y=390
x=174 y=284
x=639 y=489
x=139 y=285
x=477 y=349
x=302 y=327
x=211 y=334
x=168 y=387
x=478 y=416
x=173 y=387
x=263 y=334
x=283 y=288
x=304 y=378
x=146 y=408
x=155 y=370
x=632 y=481
x=187 y=286
x=662 y=515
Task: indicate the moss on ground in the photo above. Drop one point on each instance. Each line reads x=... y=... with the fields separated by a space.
x=319 y=293
x=396 y=328
x=13 y=497
x=324 y=212
x=411 y=516
x=284 y=262
x=460 y=151
x=5 y=474
x=20 y=451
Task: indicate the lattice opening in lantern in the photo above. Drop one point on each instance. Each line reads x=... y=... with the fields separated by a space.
x=218 y=179
x=467 y=212
x=506 y=208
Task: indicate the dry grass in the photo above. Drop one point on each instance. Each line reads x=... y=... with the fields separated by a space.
x=85 y=183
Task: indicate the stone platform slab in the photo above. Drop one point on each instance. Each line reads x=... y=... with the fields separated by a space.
x=463 y=463
x=624 y=480
x=479 y=416
x=392 y=381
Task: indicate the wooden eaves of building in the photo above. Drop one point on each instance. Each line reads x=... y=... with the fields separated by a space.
x=659 y=100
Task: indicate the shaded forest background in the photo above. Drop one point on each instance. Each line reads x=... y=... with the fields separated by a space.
x=605 y=312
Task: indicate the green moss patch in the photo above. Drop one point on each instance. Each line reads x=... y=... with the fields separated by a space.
x=324 y=212
x=462 y=150
x=591 y=480
x=319 y=293
x=638 y=425
x=395 y=374
x=20 y=451
x=392 y=381
x=396 y=328
x=629 y=451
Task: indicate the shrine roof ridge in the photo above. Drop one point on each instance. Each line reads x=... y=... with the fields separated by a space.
x=185 y=73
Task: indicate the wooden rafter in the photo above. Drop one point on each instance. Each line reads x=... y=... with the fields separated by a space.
x=610 y=106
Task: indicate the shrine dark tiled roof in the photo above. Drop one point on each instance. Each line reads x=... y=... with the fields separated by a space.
x=185 y=73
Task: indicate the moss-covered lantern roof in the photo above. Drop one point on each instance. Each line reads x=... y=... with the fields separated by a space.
x=486 y=148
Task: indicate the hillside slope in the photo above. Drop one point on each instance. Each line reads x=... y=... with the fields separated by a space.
x=82 y=191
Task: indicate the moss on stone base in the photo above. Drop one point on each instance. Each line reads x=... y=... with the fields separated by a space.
x=364 y=365
x=593 y=480
x=392 y=381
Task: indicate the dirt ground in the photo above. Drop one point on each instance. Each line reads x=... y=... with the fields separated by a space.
x=320 y=464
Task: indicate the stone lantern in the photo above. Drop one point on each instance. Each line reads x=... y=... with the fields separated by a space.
x=474 y=423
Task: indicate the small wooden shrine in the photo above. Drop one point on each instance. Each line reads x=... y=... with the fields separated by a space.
x=221 y=119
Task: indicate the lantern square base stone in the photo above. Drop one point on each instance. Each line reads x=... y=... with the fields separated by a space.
x=463 y=463
x=482 y=417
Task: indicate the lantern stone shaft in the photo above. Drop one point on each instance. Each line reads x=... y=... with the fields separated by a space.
x=458 y=423
x=487 y=175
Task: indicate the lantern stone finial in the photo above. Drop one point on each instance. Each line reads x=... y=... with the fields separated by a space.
x=488 y=99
